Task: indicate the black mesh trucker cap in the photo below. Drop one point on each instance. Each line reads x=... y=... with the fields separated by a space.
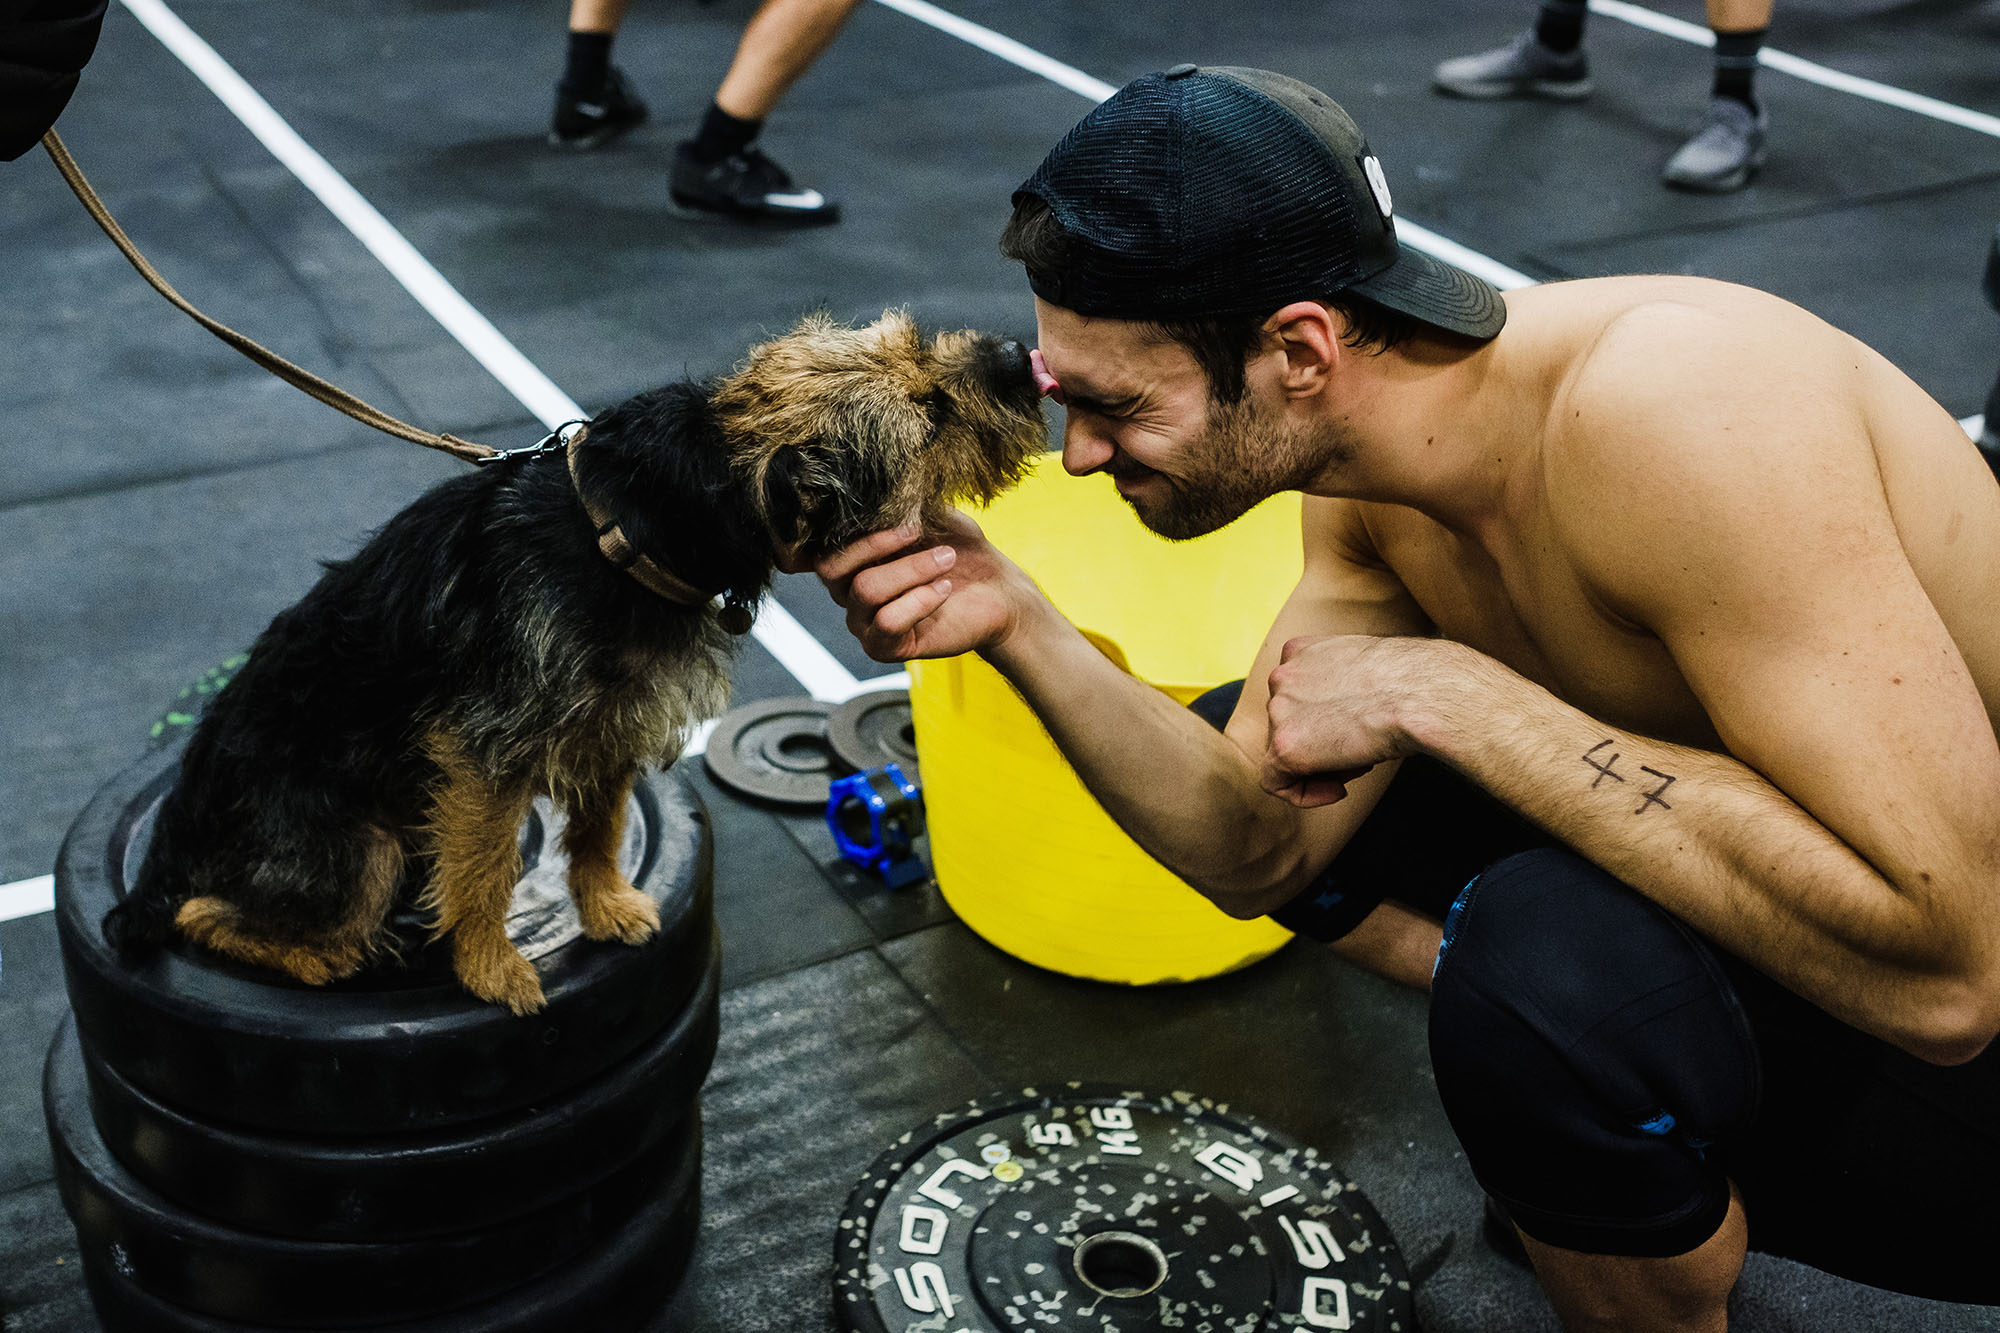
x=1223 y=191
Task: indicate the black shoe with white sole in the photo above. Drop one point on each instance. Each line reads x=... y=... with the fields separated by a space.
x=746 y=184
x=591 y=118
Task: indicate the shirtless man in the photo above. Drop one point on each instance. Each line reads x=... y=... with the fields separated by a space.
x=1701 y=589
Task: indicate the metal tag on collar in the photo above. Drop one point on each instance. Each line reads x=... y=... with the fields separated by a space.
x=735 y=615
x=558 y=438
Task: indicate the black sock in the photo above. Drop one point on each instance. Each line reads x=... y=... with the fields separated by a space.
x=722 y=134
x=1736 y=64
x=1559 y=26
x=589 y=62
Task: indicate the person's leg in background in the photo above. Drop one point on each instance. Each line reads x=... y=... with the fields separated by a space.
x=1729 y=148
x=594 y=104
x=1548 y=60
x=720 y=169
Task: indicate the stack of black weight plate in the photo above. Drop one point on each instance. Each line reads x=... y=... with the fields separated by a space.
x=241 y=1152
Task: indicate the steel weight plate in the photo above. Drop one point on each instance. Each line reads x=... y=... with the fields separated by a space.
x=874 y=729
x=775 y=750
x=1095 y=1211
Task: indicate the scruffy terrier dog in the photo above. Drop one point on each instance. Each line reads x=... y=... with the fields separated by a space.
x=546 y=625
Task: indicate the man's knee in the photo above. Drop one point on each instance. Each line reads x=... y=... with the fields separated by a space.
x=1685 y=1293
x=1589 y=1052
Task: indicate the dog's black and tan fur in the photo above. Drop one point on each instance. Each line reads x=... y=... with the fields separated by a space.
x=480 y=650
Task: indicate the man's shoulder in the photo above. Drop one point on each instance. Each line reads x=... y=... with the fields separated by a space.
x=1692 y=412
x=1684 y=378
x=1659 y=344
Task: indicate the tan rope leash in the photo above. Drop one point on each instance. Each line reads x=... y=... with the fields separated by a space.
x=611 y=539
x=331 y=394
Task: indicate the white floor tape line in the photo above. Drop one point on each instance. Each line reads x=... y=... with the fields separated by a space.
x=796 y=650
x=1009 y=50
x=1500 y=275
x=1026 y=57
x=27 y=896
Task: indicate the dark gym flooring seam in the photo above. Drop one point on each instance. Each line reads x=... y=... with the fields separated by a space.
x=1801 y=212
x=146 y=481
x=922 y=1001
x=341 y=346
x=347 y=349
x=364 y=441
x=1830 y=30
x=9 y=1196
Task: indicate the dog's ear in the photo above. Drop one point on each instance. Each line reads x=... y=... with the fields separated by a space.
x=782 y=497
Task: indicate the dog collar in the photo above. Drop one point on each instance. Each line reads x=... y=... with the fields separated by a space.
x=619 y=550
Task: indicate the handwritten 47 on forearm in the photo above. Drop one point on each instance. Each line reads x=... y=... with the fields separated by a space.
x=1608 y=769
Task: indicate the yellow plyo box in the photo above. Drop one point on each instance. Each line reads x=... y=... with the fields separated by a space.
x=1022 y=851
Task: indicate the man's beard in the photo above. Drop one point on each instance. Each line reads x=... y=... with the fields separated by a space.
x=1245 y=456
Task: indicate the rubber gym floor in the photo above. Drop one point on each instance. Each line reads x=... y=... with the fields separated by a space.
x=161 y=498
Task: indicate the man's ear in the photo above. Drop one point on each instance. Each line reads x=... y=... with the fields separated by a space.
x=1309 y=335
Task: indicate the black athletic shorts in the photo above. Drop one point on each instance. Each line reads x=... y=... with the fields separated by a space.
x=1609 y=1073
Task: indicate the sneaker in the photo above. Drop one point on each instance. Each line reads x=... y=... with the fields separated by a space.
x=595 y=120
x=1724 y=155
x=747 y=185
x=1522 y=68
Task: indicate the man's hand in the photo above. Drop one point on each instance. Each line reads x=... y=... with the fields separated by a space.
x=910 y=593
x=1337 y=709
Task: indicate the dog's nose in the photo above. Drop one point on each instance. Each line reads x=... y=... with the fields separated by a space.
x=1011 y=359
x=1003 y=368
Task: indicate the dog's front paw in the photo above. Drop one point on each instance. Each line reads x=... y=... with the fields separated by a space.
x=500 y=975
x=620 y=913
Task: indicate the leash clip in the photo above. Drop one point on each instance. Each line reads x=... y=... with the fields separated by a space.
x=558 y=438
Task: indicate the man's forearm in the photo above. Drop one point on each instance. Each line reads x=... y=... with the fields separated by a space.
x=1179 y=788
x=1704 y=836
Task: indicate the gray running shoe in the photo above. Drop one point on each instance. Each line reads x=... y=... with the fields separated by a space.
x=1723 y=156
x=1522 y=68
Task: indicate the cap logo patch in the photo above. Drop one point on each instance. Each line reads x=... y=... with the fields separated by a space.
x=1371 y=167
